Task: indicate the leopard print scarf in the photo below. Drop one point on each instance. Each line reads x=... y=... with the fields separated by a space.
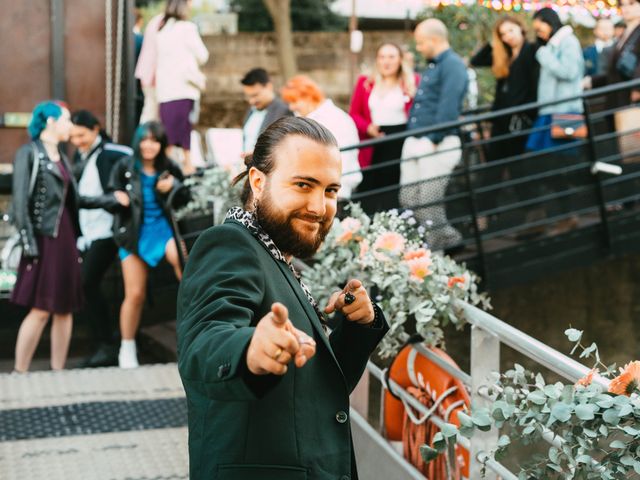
x=248 y=219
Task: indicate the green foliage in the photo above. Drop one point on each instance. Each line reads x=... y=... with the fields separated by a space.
x=306 y=15
x=417 y=296
x=594 y=434
x=211 y=192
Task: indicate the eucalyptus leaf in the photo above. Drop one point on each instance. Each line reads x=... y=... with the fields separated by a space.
x=428 y=454
x=449 y=430
x=573 y=335
x=585 y=411
x=561 y=411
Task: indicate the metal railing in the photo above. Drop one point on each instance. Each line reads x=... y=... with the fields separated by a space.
x=487 y=334
x=493 y=201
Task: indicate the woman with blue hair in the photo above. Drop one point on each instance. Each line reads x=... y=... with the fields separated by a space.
x=45 y=204
x=45 y=212
x=144 y=233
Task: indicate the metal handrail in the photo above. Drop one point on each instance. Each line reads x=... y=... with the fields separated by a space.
x=527 y=345
x=419 y=132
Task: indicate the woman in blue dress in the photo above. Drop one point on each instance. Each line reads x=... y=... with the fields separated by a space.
x=143 y=232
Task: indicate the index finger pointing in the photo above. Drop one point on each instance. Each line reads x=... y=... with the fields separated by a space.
x=280 y=313
x=352 y=285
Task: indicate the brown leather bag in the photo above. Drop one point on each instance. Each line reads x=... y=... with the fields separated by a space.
x=568 y=126
x=627 y=124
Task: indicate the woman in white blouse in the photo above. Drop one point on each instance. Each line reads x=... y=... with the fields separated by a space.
x=306 y=99
x=380 y=106
x=179 y=81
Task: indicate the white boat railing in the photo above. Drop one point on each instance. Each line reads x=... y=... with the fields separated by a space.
x=487 y=334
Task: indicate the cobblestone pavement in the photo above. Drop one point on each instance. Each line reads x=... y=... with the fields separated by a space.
x=88 y=424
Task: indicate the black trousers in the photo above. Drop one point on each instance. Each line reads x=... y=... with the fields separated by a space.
x=95 y=263
x=388 y=176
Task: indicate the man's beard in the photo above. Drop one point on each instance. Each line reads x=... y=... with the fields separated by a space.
x=280 y=229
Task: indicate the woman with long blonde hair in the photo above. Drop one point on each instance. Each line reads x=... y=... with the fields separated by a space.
x=513 y=62
x=380 y=105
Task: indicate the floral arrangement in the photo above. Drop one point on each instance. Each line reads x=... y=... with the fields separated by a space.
x=7 y=280
x=593 y=426
x=211 y=192
x=416 y=288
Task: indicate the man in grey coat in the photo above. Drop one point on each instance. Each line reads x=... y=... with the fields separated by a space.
x=265 y=106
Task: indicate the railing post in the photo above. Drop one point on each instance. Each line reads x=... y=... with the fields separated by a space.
x=485 y=358
x=473 y=206
x=598 y=179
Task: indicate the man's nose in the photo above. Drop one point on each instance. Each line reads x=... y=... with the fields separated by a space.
x=317 y=204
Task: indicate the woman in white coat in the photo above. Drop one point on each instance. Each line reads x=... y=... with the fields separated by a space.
x=179 y=80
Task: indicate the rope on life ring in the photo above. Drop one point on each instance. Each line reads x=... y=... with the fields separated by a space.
x=443 y=395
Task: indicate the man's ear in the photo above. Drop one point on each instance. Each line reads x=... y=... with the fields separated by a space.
x=257 y=181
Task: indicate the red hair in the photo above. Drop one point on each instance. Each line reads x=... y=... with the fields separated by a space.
x=302 y=87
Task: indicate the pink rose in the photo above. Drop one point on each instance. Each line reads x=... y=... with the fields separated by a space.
x=419 y=268
x=390 y=241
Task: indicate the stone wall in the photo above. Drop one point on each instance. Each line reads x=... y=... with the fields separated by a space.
x=324 y=56
x=603 y=299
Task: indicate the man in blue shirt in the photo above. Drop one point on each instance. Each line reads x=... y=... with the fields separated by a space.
x=429 y=159
x=596 y=56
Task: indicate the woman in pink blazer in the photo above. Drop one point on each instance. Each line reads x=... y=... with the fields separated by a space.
x=379 y=106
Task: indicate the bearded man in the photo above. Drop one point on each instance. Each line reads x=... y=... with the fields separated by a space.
x=267 y=384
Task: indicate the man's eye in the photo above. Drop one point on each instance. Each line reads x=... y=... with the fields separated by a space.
x=332 y=191
x=302 y=185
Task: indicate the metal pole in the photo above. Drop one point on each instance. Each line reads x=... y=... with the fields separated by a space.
x=353 y=26
x=474 y=211
x=606 y=231
x=485 y=359
x=57 y=49
x=129 y=120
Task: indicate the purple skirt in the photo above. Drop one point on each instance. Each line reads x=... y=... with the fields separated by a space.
x=52 y=282
x=175 y=118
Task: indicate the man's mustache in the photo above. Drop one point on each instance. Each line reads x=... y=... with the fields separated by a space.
x=311 y=218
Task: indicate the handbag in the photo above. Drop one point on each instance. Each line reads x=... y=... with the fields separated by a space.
x=627 y=123
x=568 y=126
x=12 y=250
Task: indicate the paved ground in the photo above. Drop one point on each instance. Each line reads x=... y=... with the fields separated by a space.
x=88 y=424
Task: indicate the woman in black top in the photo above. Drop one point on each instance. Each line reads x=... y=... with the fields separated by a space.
x=513 y=62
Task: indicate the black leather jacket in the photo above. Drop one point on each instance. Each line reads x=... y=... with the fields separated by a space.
x=125 y=176
x=39 y=213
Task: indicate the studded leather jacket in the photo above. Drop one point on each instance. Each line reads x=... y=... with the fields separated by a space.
x=39 y=212
x=125 y=176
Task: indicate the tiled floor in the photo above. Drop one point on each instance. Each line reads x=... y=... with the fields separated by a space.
x=105 y=423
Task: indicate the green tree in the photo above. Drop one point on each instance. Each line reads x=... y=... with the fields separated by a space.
x=306 y=15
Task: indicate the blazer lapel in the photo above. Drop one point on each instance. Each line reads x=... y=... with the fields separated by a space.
x=308 y=308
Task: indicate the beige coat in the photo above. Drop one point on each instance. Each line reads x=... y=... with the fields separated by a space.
x=181 y=53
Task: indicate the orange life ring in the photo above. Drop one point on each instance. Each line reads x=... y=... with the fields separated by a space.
x=433 y=386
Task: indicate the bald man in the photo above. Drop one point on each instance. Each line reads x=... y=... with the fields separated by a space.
x=596 y=56
x=429 y=158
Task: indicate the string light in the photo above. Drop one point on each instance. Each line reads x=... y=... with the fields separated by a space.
x=597 y=8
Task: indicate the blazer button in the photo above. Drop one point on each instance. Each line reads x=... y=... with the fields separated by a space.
x=341 y=417
x=127 y=174
x=223 y=370
x=128 y=186
x=122 y=229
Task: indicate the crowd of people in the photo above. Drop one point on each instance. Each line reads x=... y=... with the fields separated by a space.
x=113 y=201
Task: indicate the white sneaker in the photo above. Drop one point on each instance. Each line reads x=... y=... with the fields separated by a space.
x=128 y=355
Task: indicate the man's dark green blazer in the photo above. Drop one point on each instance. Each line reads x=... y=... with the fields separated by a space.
x=244 y=426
